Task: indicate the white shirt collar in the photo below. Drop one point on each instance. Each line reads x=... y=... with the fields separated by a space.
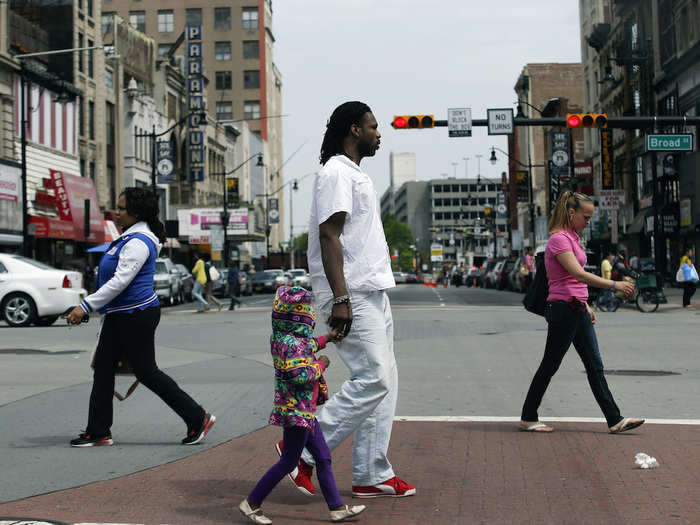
x=347 y=161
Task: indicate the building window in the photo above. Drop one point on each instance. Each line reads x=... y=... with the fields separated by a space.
x=81 y=114
x=222 y=50
x=89 y=7
x=223 y=80
x=251 y=49
x=193 y=16
x=224 y=111
x=163 y=49
x=251 y=109
x=92 y=170
x=107 y=23
x=91 y=120
x=91 y=60
x=166 y=20
x=222 y=18
x=109 y=79
x=81 y=43
x=82 y=167
x=250 y=18
x=251 y=79
x=137 y=19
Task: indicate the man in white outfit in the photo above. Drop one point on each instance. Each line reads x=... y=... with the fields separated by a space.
x=350 y=271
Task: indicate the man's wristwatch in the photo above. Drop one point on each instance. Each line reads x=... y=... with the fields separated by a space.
x=341 y=299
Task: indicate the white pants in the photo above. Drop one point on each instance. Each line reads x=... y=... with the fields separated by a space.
x=365 y=403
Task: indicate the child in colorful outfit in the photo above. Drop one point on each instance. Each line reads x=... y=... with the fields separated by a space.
x=299 y=388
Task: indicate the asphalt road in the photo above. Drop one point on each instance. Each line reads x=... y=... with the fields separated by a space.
x=461 y=352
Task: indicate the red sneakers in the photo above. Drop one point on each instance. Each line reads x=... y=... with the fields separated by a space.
x=300 y=476
x=391 y=488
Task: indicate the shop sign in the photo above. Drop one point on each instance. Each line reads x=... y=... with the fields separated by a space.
x=611 y=199
x=583 y=170
x=195 y=90
x=197 y=223
x=70 y=193
x=10 y=199
x=47 y=227
x=669 y=222
x=9 y=184
x=606 y=159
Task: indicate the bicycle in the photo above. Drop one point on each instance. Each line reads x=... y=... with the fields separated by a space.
x=647 y=295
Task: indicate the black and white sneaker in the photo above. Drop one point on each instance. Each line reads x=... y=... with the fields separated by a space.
x=194 y=436
x=87 y=440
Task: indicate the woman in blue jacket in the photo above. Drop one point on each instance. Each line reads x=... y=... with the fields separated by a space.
x=126 y=297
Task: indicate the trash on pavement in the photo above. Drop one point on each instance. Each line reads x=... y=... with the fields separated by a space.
x=645 y=461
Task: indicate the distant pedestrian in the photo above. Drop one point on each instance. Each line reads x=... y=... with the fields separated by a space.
x=689 y=285
x=200 y=280
x=234 y=283
x=350 y=273
x=568 y=315
x=299 y=388
x=608 y=296
x=131 y=314
x=209 y=285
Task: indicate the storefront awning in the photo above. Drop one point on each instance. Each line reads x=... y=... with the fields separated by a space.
x=48 y=227
x=111 y=230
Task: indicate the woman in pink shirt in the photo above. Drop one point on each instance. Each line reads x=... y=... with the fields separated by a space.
x=569 y=318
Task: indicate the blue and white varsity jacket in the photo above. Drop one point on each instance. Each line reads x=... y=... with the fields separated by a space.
x=125 y=274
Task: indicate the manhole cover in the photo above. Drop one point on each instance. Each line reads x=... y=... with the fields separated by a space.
x=34 y=351
x=621 y=372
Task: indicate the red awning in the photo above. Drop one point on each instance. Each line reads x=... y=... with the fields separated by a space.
x=47 y=227
x=71 y=192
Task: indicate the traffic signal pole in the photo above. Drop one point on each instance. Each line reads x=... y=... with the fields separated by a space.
x=613 y=122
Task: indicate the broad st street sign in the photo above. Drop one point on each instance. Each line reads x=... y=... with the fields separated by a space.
x=678 y=142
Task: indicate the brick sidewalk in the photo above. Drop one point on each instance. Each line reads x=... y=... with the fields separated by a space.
x=465 y=473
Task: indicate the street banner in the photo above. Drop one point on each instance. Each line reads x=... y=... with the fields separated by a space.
x=686 y=217
x=554 y=184
x=583 y=170
x=606 y=159
x=273 y=211
x=164 y=162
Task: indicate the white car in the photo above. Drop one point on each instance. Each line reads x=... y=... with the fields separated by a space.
x=299 y=277
x=399 y=277
x=33 y=292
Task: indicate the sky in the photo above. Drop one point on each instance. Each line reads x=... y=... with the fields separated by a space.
x=408 y=57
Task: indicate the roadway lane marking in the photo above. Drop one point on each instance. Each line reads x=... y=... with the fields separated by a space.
x=509 y=419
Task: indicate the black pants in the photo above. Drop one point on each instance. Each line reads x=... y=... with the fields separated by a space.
x=134 y=335
x=234 y=292
x=565 y=327
x=688 y=291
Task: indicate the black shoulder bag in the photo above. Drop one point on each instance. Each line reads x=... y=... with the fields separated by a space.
x=538 y=290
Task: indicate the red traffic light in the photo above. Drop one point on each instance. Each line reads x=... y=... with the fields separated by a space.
x=399 y=122
x=573 y=121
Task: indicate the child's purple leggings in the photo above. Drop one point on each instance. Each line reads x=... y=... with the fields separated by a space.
x=295 y=439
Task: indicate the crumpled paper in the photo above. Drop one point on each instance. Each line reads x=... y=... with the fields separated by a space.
x=645 y=461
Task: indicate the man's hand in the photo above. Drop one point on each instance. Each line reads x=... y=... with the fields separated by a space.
x=341 y=319
x=324 y=359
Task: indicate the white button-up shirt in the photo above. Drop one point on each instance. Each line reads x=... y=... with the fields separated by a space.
x=341 y=186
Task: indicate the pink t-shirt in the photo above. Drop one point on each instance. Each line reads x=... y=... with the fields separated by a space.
x=562 y=286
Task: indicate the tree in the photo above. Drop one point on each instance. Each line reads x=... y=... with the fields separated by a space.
x=301 y=242
x=399 y=238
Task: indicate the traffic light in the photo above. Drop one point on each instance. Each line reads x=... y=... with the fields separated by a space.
x=434 y=230
x=413 y=121
x=586 y=120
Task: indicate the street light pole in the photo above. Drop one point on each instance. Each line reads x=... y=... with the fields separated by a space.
x=23 y=160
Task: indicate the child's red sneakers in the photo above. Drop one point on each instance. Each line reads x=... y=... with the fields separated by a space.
x=391 y=488
x=300 y=476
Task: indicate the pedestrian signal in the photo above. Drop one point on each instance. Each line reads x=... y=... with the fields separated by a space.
x=586 y=120
x=413 y=121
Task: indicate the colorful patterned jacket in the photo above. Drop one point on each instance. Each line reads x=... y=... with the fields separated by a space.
x=298 y=375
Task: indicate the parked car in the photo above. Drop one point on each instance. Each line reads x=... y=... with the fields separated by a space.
x=246 y=283
x=33 y=292
x=399 y=277
x=412 y=278
x=493 y=275
x=186 y=281
x=484 y=271
x=263 y=282
x=299 y=277
x=166 y=282
x=220 y=288
x=504 y=282
x=279 y=277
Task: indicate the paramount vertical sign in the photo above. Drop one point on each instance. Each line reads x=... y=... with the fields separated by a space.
x=195 y=103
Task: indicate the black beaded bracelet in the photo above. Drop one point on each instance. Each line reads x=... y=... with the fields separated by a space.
x=341 y=299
